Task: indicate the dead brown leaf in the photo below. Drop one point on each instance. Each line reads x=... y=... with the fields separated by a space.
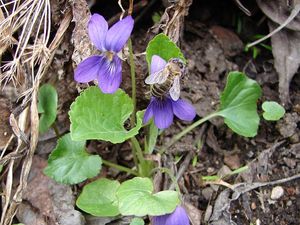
x=194 y=213
x=52 y=201
x=279 y=11
x=286 y=52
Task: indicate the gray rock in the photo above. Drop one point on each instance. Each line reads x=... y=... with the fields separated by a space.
x=277 y=193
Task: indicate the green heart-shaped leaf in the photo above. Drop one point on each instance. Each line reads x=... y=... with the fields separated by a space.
x=95 y=115
x=47 y=106
x=69 y=163
x=162 y=46
x=272 y=111
x=99 y=198
x=136 y=198
x=137 y=221
x=238 y=104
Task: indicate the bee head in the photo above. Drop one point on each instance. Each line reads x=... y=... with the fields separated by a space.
x=179 y=63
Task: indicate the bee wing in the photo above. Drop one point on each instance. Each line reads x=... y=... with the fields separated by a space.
x=157 y=78
x=175 y=89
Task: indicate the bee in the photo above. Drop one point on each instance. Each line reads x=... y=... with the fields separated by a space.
x=167 y=80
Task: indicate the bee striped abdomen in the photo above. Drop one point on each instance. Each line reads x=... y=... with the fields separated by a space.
x=161 y=90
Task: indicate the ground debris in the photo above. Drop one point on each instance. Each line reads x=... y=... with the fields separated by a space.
x=259 y=168
x=50 y=202
x=288 y=125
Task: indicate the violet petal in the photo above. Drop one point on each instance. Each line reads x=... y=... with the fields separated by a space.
x=118 y=34
x=162 y=112
x=110 y=75
x=88 y=69
x=157 y=64
x=149 y=112
x=97 y=28
x=178 y=217
x=183 y=110
x=160 y=220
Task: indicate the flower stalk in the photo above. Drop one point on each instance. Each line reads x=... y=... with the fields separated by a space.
x=133 y=83
x=120 y=168
x=137 y=150
x=130 y=10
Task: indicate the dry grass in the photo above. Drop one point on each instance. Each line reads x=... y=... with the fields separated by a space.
x=25 y=27
x=31 y=21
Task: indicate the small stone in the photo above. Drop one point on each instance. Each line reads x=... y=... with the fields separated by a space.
x=289 y=203
x=277 y=193
x=250 y=154
x=258 y=222
x=210 y=169
x=253 y=206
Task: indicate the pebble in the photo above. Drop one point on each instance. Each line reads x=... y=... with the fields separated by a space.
x=289 y=203
x=258 y=222
x=210 y=169
x=277 y=192
x=253 y=206
x=207 y=193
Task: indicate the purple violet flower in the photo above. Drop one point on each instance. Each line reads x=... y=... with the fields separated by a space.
x=107 y=67
x=163 y=110
x=178 y=217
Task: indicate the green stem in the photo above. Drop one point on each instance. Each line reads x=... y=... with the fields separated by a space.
x=137 y=150
x=172 y=177
x=186 y=130
x=120 y=168
x=133 y=82
x=55 y=128
x=170 y=174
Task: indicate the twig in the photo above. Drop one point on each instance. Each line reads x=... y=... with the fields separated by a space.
x=182 y=168
x=130 y=7
x=242 y=188
x=123 y=10
x=293 y=14
x=223 y=202
x=243 y=8
x=137 y=7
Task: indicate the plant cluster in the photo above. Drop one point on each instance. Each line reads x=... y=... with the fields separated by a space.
x=100 y=113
